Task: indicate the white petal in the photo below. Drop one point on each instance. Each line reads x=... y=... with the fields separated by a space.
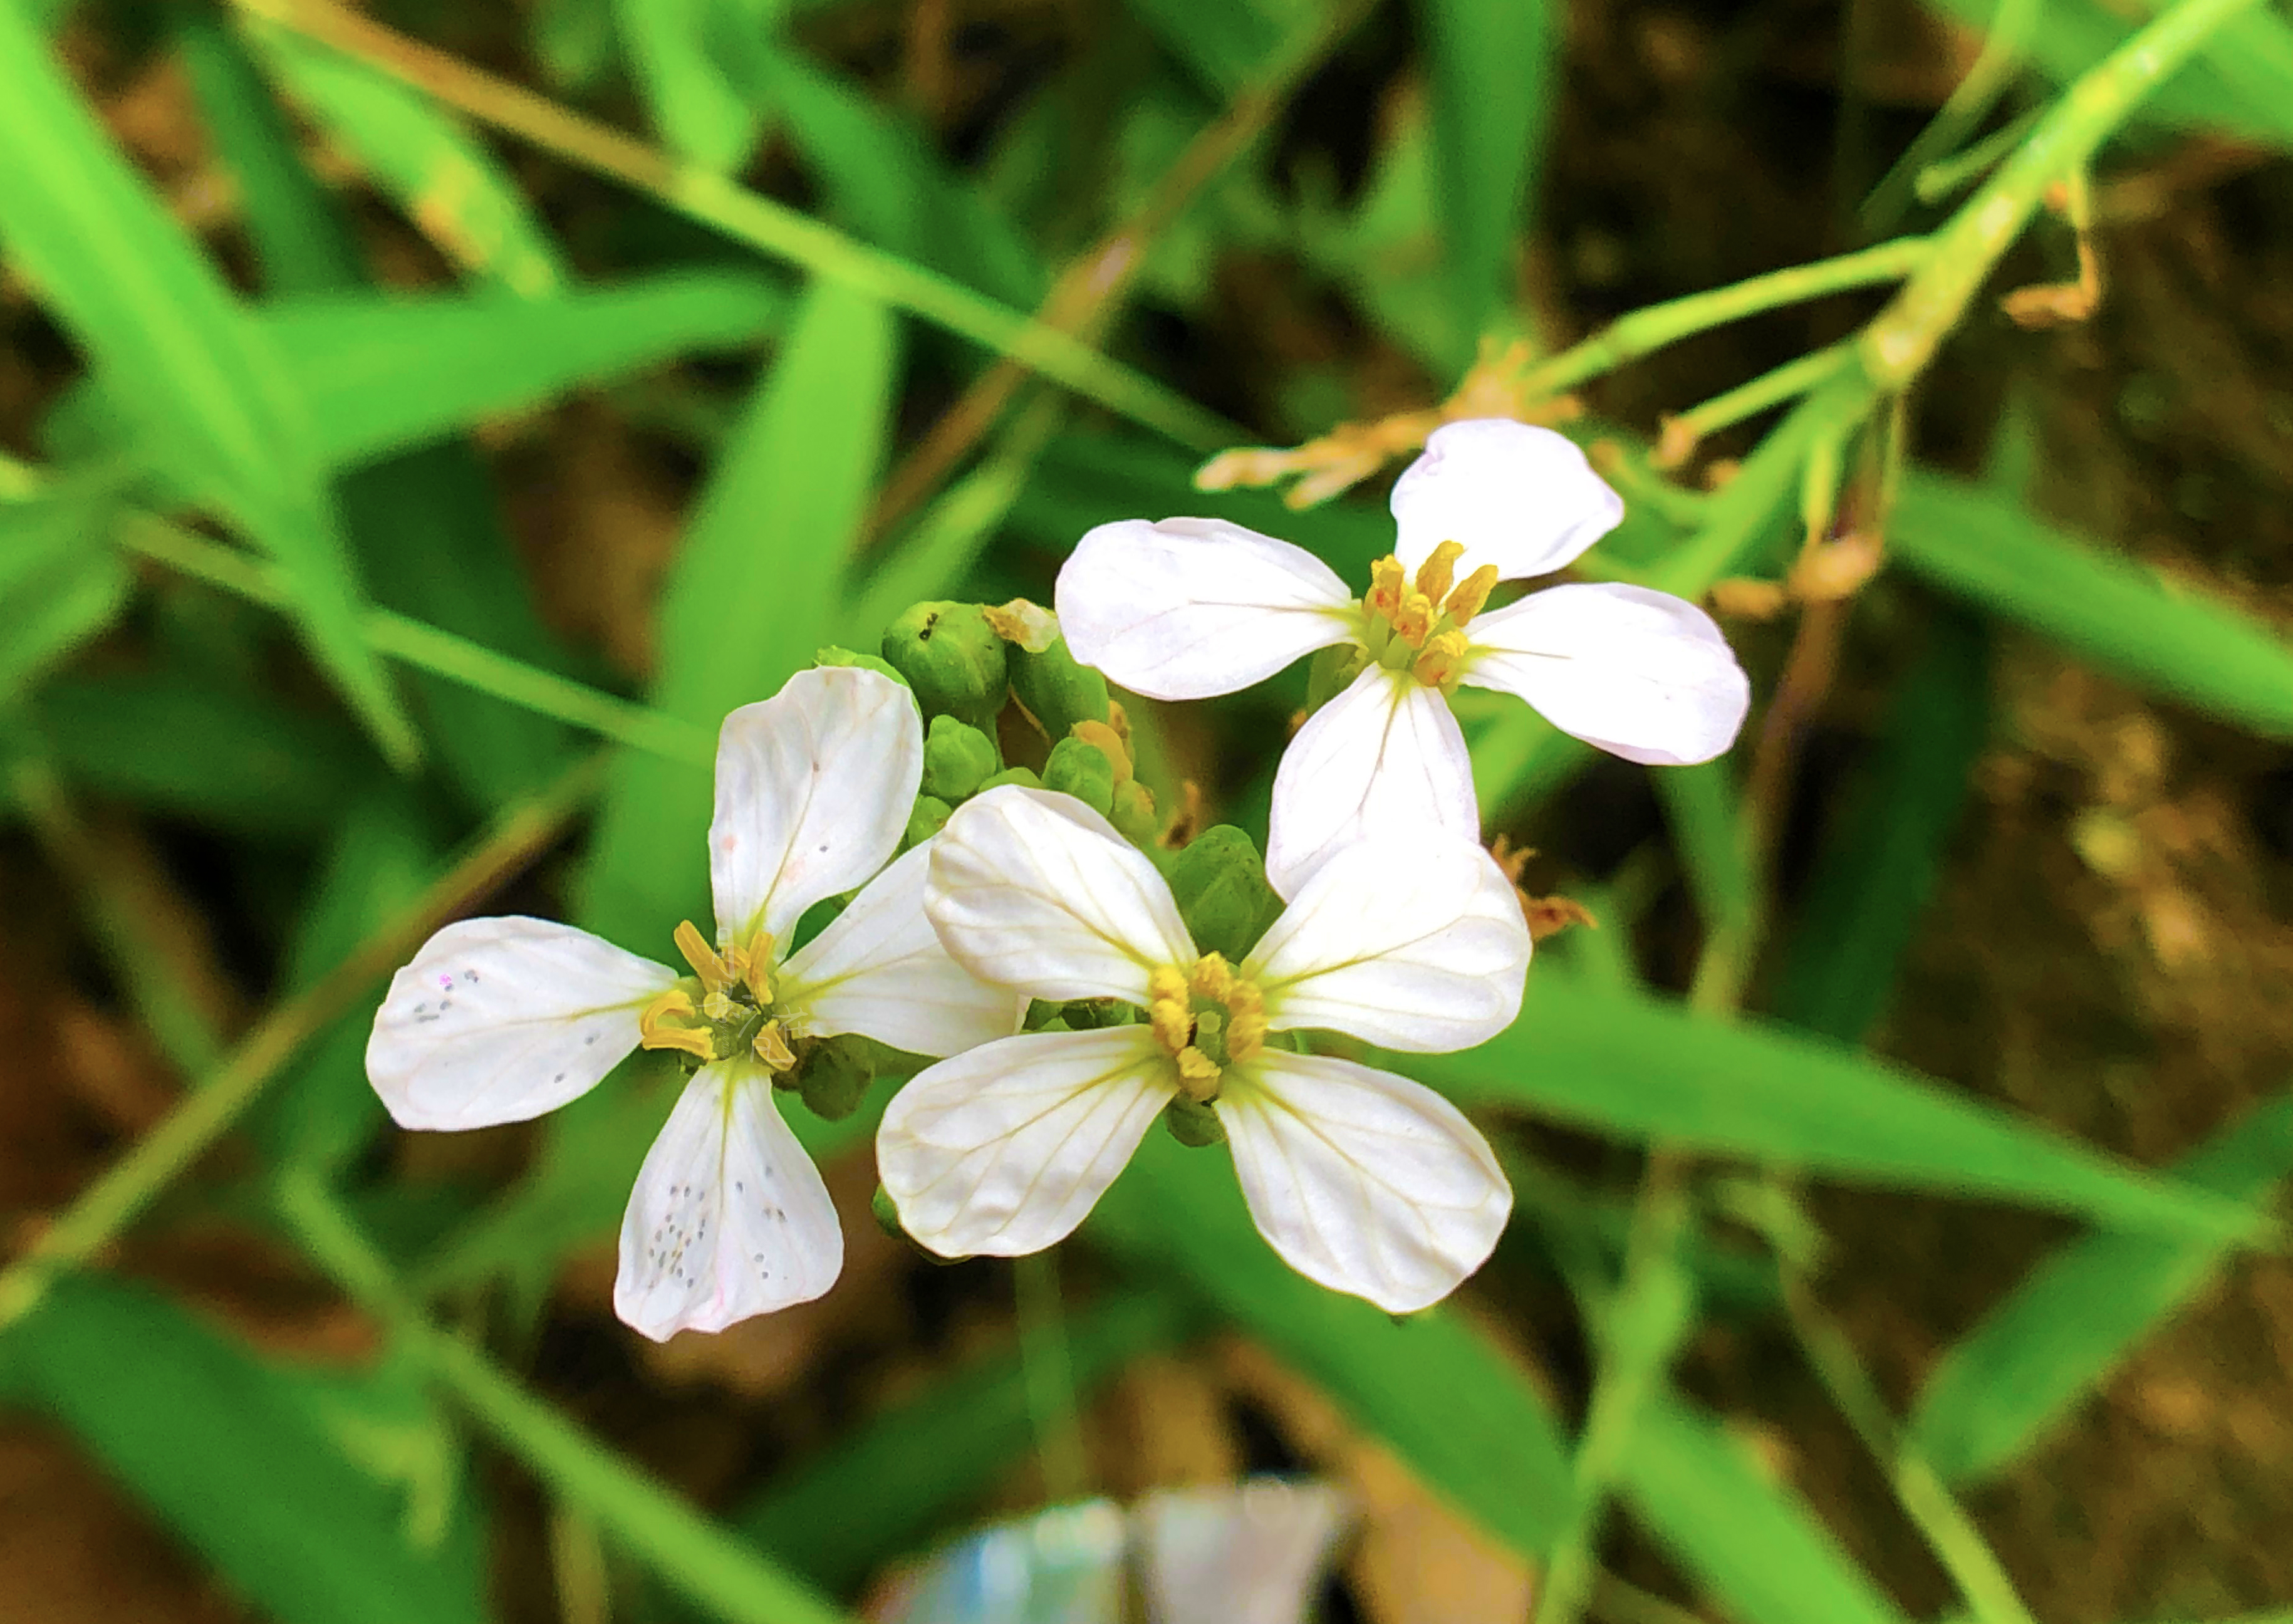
x=1384 y=753
x=1521 y=497
x=729 y=1218
x=1643 y=675
x=1363 y=1181
x=501 y=1020
x=1187 y=608
x=813 y=788
x=879 y=969
x=1004 y=1149
x=1409 y=942
x=1034 y=891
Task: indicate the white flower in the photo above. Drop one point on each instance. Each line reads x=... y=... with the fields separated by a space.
x=1361 y=1180
x=501 y=1020
x=1187 y=608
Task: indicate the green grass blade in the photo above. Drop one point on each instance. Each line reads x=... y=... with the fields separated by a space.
x=1749 y=1542
x=1465 y=1420
x=1639 y=1068
x=926 y=1461
x=2080 y=1313
x=177 y=355
x=1223 y=44
x=60 y=585
x=2119 y=616
x=758 y=575
x=677 y=51
x=1882 y=850
x=249 y=1463
x=1492 y=65
x=384 y=373
x=179 y=745
x=453 y=190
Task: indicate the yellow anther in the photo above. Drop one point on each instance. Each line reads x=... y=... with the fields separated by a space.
x=757 y=969
x=1472 y=594
x=1173 y=1022
x=1166 y=983
x=772 y=1048
x=1198 y=1076
x=1213 y=978
x=1109 y=741
x=1414 y=619
x=1245 y=1036
x=1437 y=666
x=656 y=1030
x=715 y=976
x=1435 y=574
x=1387 y=583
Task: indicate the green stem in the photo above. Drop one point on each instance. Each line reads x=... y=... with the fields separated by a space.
x=1787 y=382
x=1049 y=1376
x=107 y=1207
x=1950 y=1533
x=425 y=647
x=774 y=228
x=1629 y=337
x=686 y=1548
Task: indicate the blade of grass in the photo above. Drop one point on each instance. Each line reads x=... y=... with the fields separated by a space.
x=2003 y=1386
x=114 y=1201
x=678 y=55
x=758 y=221
x=177 y=355
x=56 y=592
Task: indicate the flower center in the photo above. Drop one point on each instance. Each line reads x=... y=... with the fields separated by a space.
x=723 y=1008
x=1417 y=626
x=1206 y=1019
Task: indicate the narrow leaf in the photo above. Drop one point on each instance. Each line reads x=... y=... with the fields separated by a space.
x=2081 y=1313
x=60 y=585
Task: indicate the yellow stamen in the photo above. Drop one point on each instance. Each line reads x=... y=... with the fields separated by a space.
x=772 y=1048
x=1437 y=666
x=1245 y=1031
x=1198 y=1077
x=757 y=972
x=1414 y=618
x=1213 y=978
x=1472 y=594
x=1386 y=585
x=1108 y=741
x=715 y=977
x=1173 y=1022
x=1435 y=574
x=654 y=1031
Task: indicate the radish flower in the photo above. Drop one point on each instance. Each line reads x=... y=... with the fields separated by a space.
x=1187 y=608
x=1361 y=1180
x=501 y=1020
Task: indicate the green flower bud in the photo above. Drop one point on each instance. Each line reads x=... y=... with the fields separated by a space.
x=834 y=1080
x=953 y=660
x=1082 y=769
x=1193 y=1123
x=833 y=656
x=929 y=817
x=1057 y=691
x=1090 y=1014
x=958 y=759
x=1133 y=815
x=1019 y=776
x=1220 y=883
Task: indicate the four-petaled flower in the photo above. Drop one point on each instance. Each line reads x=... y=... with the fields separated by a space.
x=1361 y=1180
x=500 y=1019
x=1187 y=608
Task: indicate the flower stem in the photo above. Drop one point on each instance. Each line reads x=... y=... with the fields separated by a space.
x=1050 y=1376
x=718 y=202
x=686 y=1548
x=425 y=647
x=107 y=1207
x=1787 y=382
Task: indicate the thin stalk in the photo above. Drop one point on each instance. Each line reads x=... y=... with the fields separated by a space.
x=1049 y=1373
x=105 y=1209
x=2012 y=28
x=1632 y=337
x=1939 y=180
x=689 y=1551
x=1919 y=1489
x=427 y=648
x=723 y=205
x=1770 y=389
